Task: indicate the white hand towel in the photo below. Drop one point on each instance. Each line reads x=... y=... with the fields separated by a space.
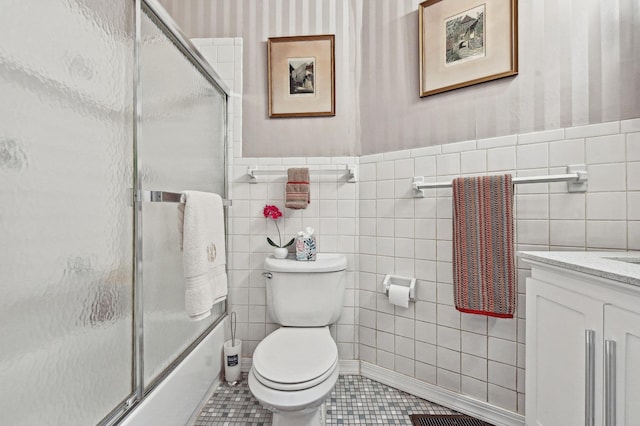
x=202 y=240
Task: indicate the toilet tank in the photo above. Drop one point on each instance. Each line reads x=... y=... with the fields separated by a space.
x=305 y=293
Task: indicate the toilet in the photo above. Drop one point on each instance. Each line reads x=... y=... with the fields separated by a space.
x=295 y=368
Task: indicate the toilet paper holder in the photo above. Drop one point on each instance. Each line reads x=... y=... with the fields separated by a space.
x=403 y=281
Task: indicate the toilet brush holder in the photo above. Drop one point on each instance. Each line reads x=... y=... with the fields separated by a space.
x=232 y=358
x=232 y=355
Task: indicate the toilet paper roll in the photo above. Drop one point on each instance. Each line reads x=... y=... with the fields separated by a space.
x=399 y=295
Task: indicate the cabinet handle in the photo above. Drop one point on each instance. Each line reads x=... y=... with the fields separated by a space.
x=589 y=376
x=609 y=382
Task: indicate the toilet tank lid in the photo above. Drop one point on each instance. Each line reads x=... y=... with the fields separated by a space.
x=325 y=262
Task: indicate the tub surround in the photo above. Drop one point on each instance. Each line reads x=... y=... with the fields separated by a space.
x=618 y=266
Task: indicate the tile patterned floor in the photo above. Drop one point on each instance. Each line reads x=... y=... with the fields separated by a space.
x=355 y=400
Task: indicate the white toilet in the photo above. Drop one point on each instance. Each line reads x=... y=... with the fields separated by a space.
x=296 y=367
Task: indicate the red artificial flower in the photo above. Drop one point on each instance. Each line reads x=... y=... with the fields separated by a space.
x=272 y=211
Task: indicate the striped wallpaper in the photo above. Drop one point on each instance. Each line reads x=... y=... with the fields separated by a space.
x=579 y=64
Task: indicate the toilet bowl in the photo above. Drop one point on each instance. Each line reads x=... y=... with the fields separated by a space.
x=295 y=368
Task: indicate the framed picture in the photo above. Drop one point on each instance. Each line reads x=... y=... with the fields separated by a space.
x=301 y=76
x=465 y=42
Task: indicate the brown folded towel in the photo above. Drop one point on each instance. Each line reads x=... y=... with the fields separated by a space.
x=297 y=194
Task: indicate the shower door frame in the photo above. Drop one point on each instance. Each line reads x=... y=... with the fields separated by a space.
x=168 y=26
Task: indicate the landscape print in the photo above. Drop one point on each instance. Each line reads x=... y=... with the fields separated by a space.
x=302 y=76
x=465 y=36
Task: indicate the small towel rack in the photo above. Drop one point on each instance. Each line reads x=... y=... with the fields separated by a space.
x=349 y=170
x=576 y=178
x=165 y=197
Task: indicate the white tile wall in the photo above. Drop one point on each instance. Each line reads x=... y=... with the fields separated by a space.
x=480 y=357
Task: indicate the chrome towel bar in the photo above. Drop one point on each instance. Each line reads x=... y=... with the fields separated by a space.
x=165 y=197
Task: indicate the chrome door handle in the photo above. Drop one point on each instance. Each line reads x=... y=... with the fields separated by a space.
x=267 y=275
x=589 y=376
x=609 y=382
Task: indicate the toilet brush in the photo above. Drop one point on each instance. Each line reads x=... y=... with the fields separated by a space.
x=232 y=353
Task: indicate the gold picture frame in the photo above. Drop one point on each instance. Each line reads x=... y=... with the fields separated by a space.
x=466 y=42
x=301 y=72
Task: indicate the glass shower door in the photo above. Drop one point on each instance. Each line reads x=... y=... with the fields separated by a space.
x=65 y=218
x=181 y=147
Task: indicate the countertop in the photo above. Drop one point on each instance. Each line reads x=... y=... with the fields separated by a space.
x=600 y=264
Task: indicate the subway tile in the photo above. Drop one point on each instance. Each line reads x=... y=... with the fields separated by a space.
x=567 y=152
x=606 y=206
x=448 y=379
x=633 y=205
x=396 y=155
x=448 y=359
x=632 y=125
x=502 y=397
x=633 y=146
x=532 y=231
x=473 y=161
x=426 y=151
x=532 y=156
x=501 y=159
x=475 y=388
x=425 y=332
x=385 y=170
x=368 y=172
x=544 y=136
x=502 y=350
x=502 y=375
x=569 y=233
x=385 y=359
x=634 y=235
x=404 y=365
x=607 y=234
x=425 y=166
x=459 y=147
x=474 y=366
x=404 y=168
x=385 y=341
x=532 y=206
x=503 y=328
x=606 y=149
x=448 y=164
x=591 y=130
x=500 y=141
x=448 y=338
x=607 y=177
x=567 y=206
x=404 y=347
x=404 y=228
x=385 y=189
x=370 y=158
x=474 y=344
x=426 y=372
x=425 y=353
x=633 y=176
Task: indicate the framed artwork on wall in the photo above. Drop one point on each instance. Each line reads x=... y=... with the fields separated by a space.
x=301 y=73
x=466 y=42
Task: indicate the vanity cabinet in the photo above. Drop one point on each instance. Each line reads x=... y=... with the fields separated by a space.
x=582 y=349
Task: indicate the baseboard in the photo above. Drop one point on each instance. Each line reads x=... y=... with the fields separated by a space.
x=462 y=403
x=349 y=367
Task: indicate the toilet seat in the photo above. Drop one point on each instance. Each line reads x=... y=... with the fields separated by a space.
x=292 y=359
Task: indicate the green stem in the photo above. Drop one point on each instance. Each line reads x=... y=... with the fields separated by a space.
x=279 y=238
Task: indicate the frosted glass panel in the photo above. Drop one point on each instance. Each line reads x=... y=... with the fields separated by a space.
x=182 y=147
x=65 y=220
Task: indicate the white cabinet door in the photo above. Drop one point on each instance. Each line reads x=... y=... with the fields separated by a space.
x=556 y=363
x=623 y=328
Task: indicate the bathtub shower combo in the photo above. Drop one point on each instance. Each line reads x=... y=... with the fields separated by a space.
x=102 y=103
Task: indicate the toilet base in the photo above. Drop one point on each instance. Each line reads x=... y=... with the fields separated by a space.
x=314 y=416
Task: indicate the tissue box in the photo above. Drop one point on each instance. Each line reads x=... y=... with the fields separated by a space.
x=306 y=248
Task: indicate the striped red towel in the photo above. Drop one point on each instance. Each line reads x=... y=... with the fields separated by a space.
x=483 y=257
